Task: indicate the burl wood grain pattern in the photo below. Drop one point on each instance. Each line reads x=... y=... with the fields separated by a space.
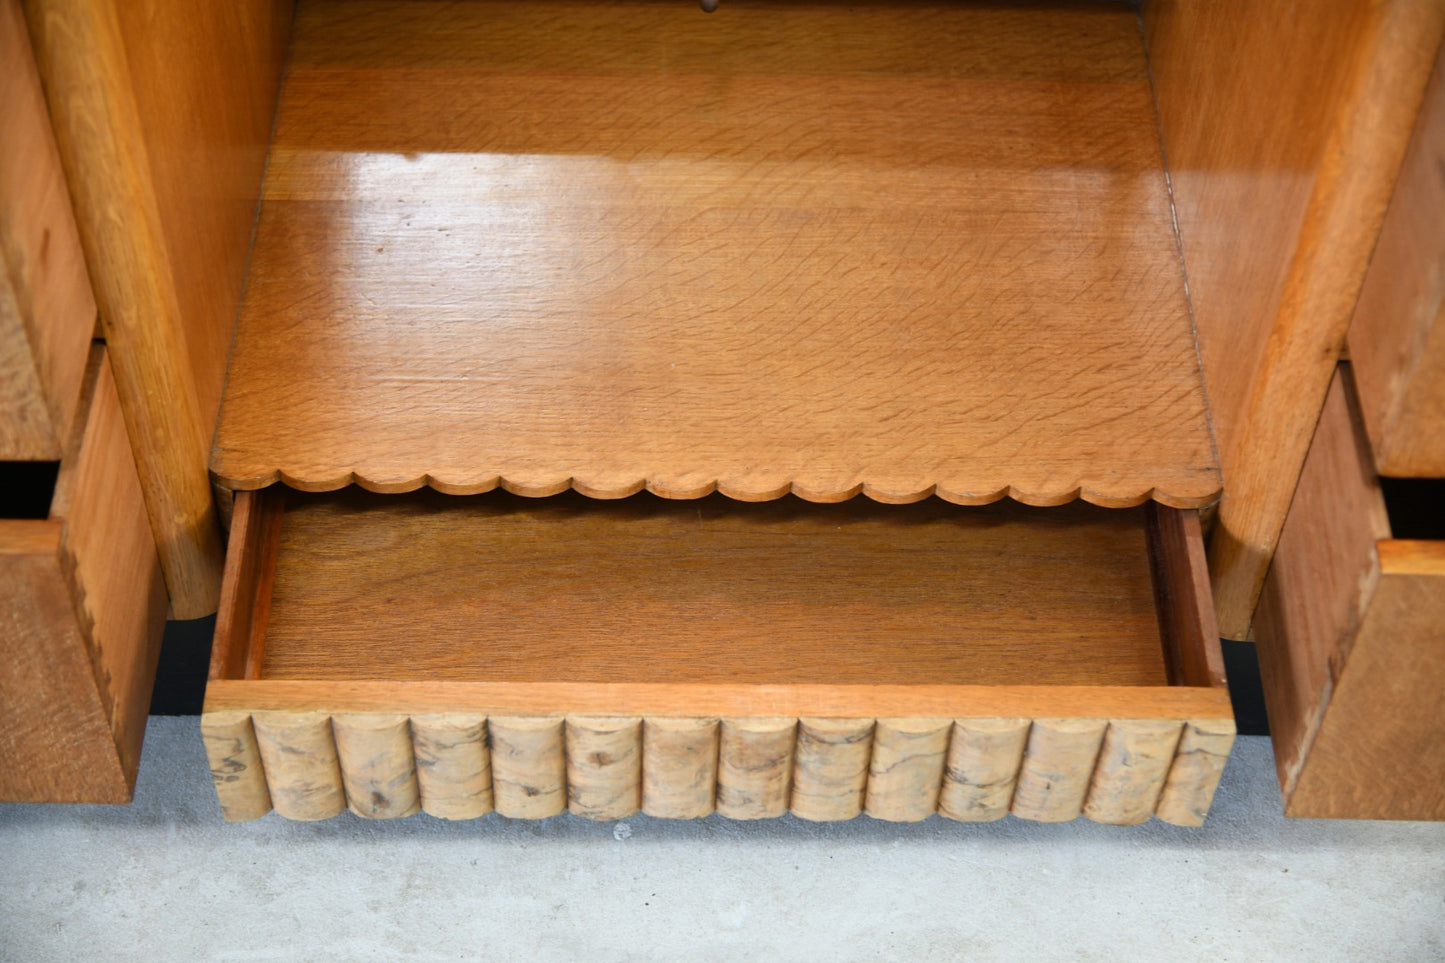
x=830 y=768
x=1397 y=337
x=529 y=766
x=1284 y=125
x=84 y=607
x=819 y=769
x=679 y=767
x=755 y=767
x=604 y=767
x=1352 y=653
x=453 y=764
x=888 y=250
x=983 y=765
x=235 y=760
x=905 y=769
x=47 y=310
x=378 y=767
x=503 y=588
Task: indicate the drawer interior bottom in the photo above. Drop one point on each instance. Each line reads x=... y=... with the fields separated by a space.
x=823 y=659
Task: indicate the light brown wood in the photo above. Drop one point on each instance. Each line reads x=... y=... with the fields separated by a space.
x=604 y=766
x=830 y=768
x=1349 y=633
x=905 y=771
x=1058 y=763
x=1181 y=594
x=1133 y=765
x=84 y=64
x=47 y=310
x=896 y=251
x=1198 y=766
x=738 y=701
x=1397 y=336
x=679 y=767
x=86 y=608
x=303 y=774
x=984 y=756
x=785 y=592
x=378 y=769
x=1324 y=575
x=1284 y=126
x=453 y=765
x=529 y=766
x=205 y=79
x=755 y=767
x=235 y=760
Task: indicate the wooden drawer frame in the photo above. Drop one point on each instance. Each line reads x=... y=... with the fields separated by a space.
x=1351 y=636
x=459 y=749
x=83 y=606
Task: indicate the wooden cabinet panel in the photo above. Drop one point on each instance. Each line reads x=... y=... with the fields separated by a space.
x=84 y=605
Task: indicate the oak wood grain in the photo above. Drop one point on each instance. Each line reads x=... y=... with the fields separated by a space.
x=889 y=250
x=1397 y=336
x=84 y=606
x=566 y=589
x=83 y=62
x=1284 y=125
x=1325 y=573
x=47 y=310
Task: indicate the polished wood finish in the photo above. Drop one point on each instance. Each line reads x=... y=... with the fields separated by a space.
x=889 y=250
x=648 y=590
x=669 y=714
x=162 y=113
x=1284 y=127
x=1397 y=337
x=47 y=310
x=83 y=605
x=1352 y=653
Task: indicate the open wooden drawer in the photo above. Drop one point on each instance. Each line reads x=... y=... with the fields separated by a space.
x=458 y=654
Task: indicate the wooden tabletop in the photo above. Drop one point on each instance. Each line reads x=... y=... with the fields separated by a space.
x=821 y=248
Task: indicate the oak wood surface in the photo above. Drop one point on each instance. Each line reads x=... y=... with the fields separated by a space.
x=1284 y=125
x=84 y=64
x=895 y=250
x=47 y=310
x=1397 y=337
x=566 y=589
x=1325 y=572
x=83 y=606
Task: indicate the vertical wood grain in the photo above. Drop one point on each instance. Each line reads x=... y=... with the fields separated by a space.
x=453 y=765
x=984 y=756
x=303 y=774
x=529 y=766
x=1194 y=775
x=1279 y=198
x=830 y=768
x=755 y=767
x=1397 y=335
x=905 y=771
x=84 y=64
x=47 y=310
x=235 y=760
x=604 y=766
x=1057 y=767
x=1133 y=765
x=378 y=769
x=679 y=767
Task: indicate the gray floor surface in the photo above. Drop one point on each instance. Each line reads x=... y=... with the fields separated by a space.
x=165 y=879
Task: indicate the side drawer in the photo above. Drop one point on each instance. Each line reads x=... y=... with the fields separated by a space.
x=460 y=655
x=82 y=605
x=1351 y=635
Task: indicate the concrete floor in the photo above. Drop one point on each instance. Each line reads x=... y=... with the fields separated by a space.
x=165 y=879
